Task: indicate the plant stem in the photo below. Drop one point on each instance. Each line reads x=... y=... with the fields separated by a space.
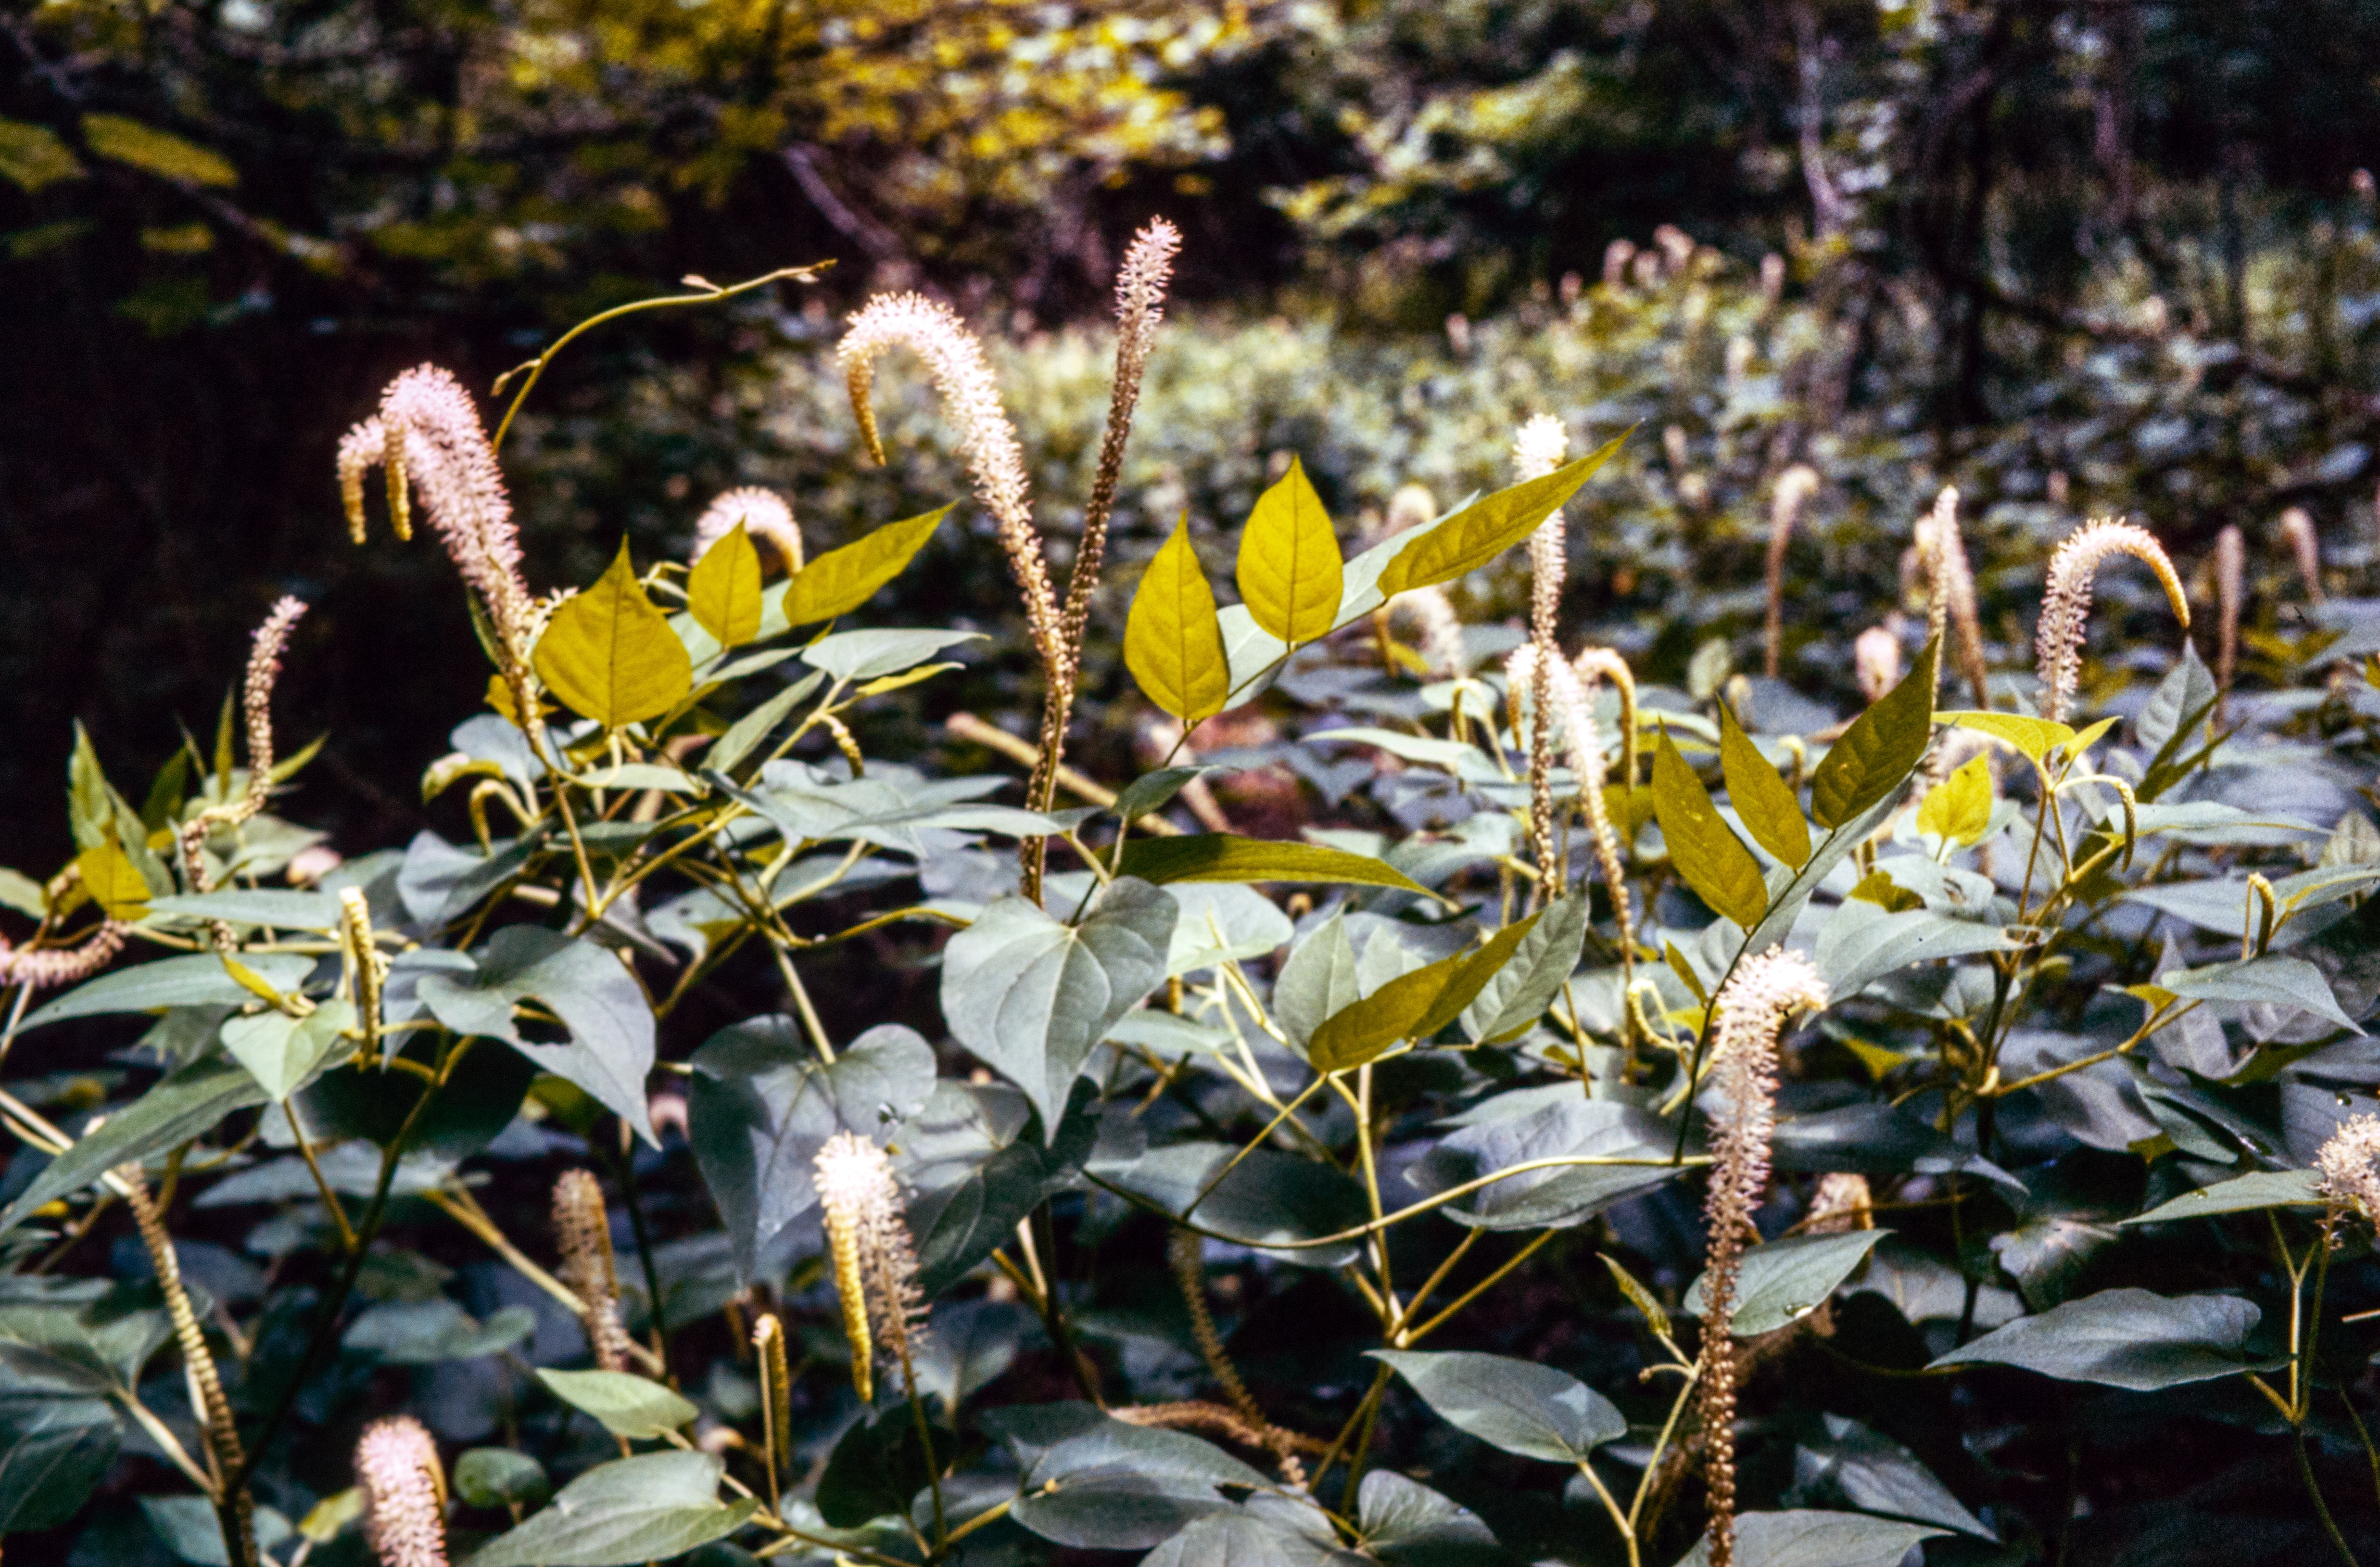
x=623 y=1172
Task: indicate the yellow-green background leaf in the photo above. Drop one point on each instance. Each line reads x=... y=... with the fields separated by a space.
x=32 y=156
x=722 y=592
x=1220 y=857
x=841 y=580
x=610 y=655
x=1290 y=566
x=157 y=151
x=1880 y=747
x=1959 y=809
x=1712 y=859
x=1760 y=795
x=1488 y=527
x=1172 y=643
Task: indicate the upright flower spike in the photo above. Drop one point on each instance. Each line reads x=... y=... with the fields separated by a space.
x=2230 y=588
x=256 y=697
x=1795 y=487
x=766 y=520
x=2065 y=602
x=1751 y=1011
x=2297 y=531
x=970 y=396
x=405 y=1493
x=582 y=1233
x=875 y=1267
x=1951 y=593
x=431 y=441
x=1571 y=707
x=1538 y=451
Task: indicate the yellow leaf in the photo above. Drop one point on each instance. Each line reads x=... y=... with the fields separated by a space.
x=841 y=580
x=722 y=592
x=157 y=151
x=32 y=156
x=2034 y=738
x=1488 y=527
x=1290 y=566
x=1959 y=809
x=610 y=655
x=1760 y=795
x=113 y=882
x=1710 y=859
x=1172 y=643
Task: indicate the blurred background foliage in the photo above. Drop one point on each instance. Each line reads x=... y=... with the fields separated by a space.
x=2100 y=256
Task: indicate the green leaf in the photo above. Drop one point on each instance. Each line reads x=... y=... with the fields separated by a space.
x=2124 y=1339
x=111 y=879
x=1808 y=1537
x=609 y=1052
x=722 y=591
x=876 y=1469
x=1111 y=1486
x=632 y=1510
x=188 y=1103
x=1413 y=1006
x=2241 y=1194
x=21 y=893
x=1864 y=941
x=868 y=655
x=155 y=152
x=1290 y=566
x=32 y=156
x=1853 y=1465
x=1316 y=980
x=1220 y=857
x=610 y=655
x=2272 y=979
x=1710 y=858
x=1518 y=1405
x=1031 y=997
x=1785 y=1280
x=1759 y=794
x=634 y=1408
x=1880 y=748
x=53 y=1450
x=254 y=906
x=198 y=980
x=497 y=1476
x=841 y=580
x=1488 y=527
x=761 y=1103
x=1172 y=643
x=280 y=1052
x=1518 y=994
x=1958 y=809
x=755 y=726
x=1268 y=1199
x=2033 y=738
x=1154 y=791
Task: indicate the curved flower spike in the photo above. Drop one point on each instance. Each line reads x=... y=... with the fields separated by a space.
x=2066 y=604
x=970 y=396
x=43 y=968
x=766 y=516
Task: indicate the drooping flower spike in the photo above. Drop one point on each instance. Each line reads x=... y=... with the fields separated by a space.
x=875 y=1265
x=2065 y=602
x=582 y=1233
x=766 y=520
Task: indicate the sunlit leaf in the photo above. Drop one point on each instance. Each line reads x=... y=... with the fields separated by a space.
x=722 y=592
x=1221 y=857
x=841 y=580
x=1760 y=796
x=1172 y=643
x=1412 y=1006
x=111 y=879
x=1290 y=566
x=1958 y=809
x=1489 y=525
x=1880 y=748
x=610 y=655
x=1710 y=858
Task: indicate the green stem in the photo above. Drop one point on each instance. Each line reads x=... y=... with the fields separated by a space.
x=623 y=1173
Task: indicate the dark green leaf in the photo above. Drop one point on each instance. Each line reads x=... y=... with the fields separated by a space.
x=2241 y=1194
x=188 y=1103
x=1518 y=1405
x=1787 y=1279
x=1517 y=995
x=495 y=1476
x=632 y=1510
x=1817 y=1539
x=2124 y=1339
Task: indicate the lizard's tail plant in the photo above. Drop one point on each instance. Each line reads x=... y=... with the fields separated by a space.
x=1750 y=1011
x=776 y=1396
x=225 y=1457
x=1795 y=487
x=270 y=642
x=366 y=969
x=1950 y=591
x=1875 y=662
x=41 y=969
x=405 y=1493
x=2297 y=531
x=431 y=442
x=2350 y=1175
x=2230 y=585
x=1185 y=1253
x=1570 y=706
x=1536 y=450
x=2065 y=602
x=875 y=1269
x=970 y=394
x=766 y=520
x=1605 y=664
x=582 y=1233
